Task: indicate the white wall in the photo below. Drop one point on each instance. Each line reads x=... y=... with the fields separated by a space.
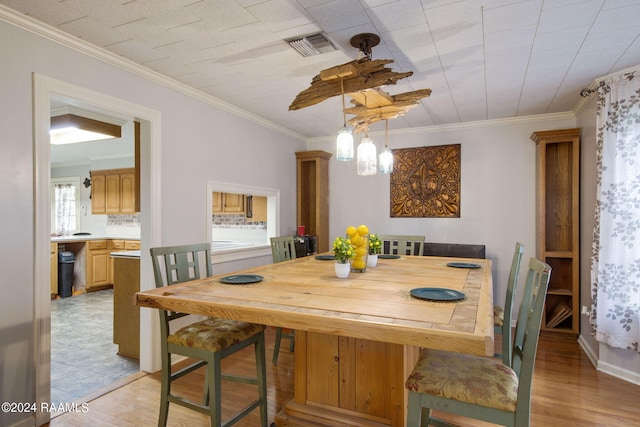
x=497 y=189
x=199 y=143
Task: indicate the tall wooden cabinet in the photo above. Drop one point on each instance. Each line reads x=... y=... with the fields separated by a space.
x=558 y=224
x=313 y=195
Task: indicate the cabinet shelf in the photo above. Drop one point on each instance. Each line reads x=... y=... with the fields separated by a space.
x=558 y=254
x=566 y=292
x=557 y=224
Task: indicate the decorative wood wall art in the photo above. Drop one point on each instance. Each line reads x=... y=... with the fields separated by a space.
x=425 y=182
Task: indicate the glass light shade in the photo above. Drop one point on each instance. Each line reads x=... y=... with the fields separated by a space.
x=367 y=157
x=344 y=144
x=385 y=161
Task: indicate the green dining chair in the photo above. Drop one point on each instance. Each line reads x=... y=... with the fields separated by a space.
x=402 y=244
x=282 y=249
x=207 y=341
x=481 y=387
x=502 y=324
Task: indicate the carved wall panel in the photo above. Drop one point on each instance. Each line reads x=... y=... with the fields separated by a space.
x=425 y=182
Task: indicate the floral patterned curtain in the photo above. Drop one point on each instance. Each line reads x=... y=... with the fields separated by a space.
x=65 y=206
x=615 y=268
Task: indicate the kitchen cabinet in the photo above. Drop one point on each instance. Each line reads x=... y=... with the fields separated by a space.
x=121 y=245
x=114 y=191
x=54 y=268
x=128 y=196
x=557 y=224
x=313 y=195
x=126 y=315
x=259 y=204
x=228 y=203
x=98 y=265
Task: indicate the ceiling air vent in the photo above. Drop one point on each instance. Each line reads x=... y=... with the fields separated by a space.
x=314 y=44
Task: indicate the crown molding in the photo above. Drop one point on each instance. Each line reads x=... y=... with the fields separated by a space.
x=510 y=121
x=39 y=28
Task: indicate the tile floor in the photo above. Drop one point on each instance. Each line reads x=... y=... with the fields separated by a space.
x=83 y=356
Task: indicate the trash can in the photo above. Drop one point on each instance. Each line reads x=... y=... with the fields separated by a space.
x=65 y=273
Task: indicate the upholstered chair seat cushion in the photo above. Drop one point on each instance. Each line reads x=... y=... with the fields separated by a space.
x=214 y=334
x=498 y=315
x=467 y=378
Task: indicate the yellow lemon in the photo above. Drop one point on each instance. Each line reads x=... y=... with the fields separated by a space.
x=363 y=229
x=357 y=241
x=358 y=264
x=361 y=251
x=351 y=231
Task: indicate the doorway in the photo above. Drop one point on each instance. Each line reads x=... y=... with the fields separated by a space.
x=85 y=362
x=44 y=90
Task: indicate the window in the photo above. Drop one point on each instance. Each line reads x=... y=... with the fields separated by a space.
x=65 y=204
x=248 y=230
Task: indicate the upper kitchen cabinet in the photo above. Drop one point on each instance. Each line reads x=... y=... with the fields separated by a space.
x=115 y=191
x=228 y=203
x=259 y=209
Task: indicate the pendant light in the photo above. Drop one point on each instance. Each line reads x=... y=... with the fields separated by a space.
x=386 y=156
x=344 y=141
x=367 y=157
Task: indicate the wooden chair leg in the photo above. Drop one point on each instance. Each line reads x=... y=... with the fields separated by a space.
x=413 y=410
x=165 y=389
x=276 y=346
x=261 y=372
x=215 y=383
x=292 y=341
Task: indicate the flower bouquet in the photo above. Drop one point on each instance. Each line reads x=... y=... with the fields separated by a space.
x=375 y=248
x=344 y=252
x=375 y=244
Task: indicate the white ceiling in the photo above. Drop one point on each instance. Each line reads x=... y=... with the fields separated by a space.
x=488 y=59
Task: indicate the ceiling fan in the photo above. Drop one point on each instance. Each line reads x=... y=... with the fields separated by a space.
x=362 y=80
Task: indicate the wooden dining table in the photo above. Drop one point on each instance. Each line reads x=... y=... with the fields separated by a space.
x=357 y=339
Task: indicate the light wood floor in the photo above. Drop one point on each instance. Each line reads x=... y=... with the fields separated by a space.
x=567 y=391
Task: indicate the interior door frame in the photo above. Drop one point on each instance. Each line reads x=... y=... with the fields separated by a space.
x=150 y=218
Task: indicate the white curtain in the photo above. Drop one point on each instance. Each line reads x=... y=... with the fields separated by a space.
x=65 y=205
x=615 y=268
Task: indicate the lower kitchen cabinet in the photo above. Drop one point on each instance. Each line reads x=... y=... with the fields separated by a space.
x=54 y=268
x=126 y=315
x=98 y=264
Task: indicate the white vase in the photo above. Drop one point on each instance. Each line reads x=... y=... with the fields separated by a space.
x=372 y=260
x=342 y=270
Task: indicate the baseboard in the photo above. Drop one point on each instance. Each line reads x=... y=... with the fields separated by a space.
x=591 y=355
x=27 y=422
x=607 y=368
x=616 y=371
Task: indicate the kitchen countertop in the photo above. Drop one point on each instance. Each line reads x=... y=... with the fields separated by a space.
x=126 y=254
x=83 y=238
